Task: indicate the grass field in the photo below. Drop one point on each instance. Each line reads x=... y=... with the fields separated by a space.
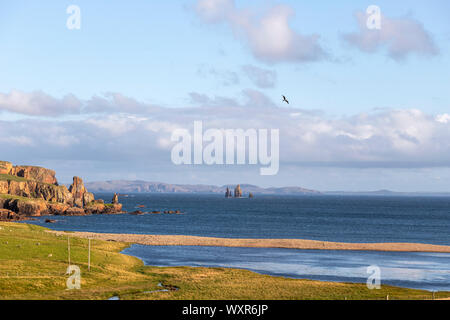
x=33 y=264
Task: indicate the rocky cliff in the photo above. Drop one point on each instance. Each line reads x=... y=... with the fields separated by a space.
x=34 y=191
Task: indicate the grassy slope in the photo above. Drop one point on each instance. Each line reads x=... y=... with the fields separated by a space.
x=28 y=272
x=7 y=177
x=8 y=196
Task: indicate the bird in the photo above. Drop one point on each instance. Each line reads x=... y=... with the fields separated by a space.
x=285 y=100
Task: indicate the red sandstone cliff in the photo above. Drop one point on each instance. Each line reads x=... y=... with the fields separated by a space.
x=34 y=191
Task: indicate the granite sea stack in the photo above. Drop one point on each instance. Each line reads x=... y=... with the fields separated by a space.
x=27 y=191
x=238 y=191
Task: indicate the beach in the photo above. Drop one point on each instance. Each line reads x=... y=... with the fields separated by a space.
x=181 y=240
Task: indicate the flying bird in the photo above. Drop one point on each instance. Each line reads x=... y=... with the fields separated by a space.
x=285 y=100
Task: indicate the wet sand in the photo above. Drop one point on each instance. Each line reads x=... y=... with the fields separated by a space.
x=168 y=240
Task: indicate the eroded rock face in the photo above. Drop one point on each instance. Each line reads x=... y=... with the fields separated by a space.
x=115 y=199
x=114 y=209
x=5 y=167
x=78 y=190
x=38 y=193
x=88 y=198
x=58 y=209
x=80 y=196
x=75 y=212
x=28 y=207
x=4 y=187
x=34 y=189
x=8 y=215
x=95 y=208
x=35 y=173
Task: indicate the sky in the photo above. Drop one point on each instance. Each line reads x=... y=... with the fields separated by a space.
x=369 y=108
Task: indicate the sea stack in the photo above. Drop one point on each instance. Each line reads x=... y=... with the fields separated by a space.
x=115 y=199
x=228 y=193
x=238 y=191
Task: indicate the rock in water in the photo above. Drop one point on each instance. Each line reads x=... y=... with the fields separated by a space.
x=115 y=199
x=238 y=191
x=80 y=195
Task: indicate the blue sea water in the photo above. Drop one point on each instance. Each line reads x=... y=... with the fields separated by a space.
x=329 y=218
x=427 y=271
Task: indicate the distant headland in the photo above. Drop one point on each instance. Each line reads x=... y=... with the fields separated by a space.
x=139 y=186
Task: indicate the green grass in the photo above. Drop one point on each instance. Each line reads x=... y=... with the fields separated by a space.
x=25 y=199
x=33 y=263
x=7 y=177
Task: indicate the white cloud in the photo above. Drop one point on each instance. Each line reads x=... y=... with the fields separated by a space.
x=270 y=36
x=443 y=118
x=38 y=104
x=400 y=36
x=387 y=138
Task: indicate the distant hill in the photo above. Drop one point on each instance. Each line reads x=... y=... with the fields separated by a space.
x=138 y=186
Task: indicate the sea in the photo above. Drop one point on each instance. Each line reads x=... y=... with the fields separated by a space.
x=361 y=219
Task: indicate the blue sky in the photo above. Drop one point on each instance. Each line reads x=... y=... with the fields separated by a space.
x=161 y=53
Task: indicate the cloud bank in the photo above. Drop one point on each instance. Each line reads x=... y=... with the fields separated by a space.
x=120 y=128
x=269 y=36
x=401 y=37
x=38 y=103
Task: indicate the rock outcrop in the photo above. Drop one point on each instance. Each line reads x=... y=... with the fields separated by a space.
x=25 y=207
x=8 y=215
x=80 y=195
x=5 y=167
x=34 y=191
x=35 y=173
x=238 y=191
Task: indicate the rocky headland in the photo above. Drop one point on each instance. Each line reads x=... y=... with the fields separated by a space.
x=29 y=191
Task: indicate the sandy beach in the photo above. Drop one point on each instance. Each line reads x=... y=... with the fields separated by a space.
x=177 y=240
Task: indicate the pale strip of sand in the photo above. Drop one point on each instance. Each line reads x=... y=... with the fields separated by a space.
x=167 y=240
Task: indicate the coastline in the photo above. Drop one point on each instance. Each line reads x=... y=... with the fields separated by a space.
x=114 y=274
x=181 y=240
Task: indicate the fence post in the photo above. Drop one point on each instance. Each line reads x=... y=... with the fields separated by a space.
x=89 y=256
x=68 y=247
